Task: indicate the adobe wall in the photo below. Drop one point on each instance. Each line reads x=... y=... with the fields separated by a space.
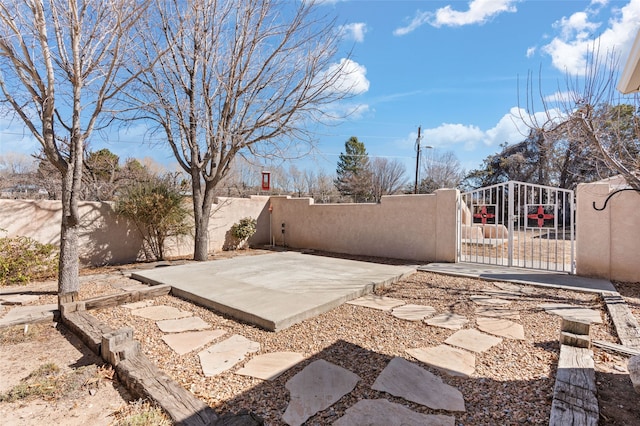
x=415 y=227
x=608 y=241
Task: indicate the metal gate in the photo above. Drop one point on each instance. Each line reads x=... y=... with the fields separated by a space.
x=518 y=224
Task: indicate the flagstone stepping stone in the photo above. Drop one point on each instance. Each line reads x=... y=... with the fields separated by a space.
x=183 y=343
x=484 y=300
x=413 y=312
x=160 y=312
x=452 y=361
x=497 y=312
x=407 y=380
x=317 y=387
x=448 y=320
x=138 y=305
x=224 y=355
x=515 y=288
x=18 y=299
x=472 y=340
x=501 y=327
x=271 y=365
x=382 y=412
x=572 y=311
x=382 y=303
x=183 y=324
x=30 y=313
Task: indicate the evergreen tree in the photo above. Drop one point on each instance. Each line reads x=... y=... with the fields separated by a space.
x=354 y=172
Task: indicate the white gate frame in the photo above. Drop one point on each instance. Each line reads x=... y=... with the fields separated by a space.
x=535 y=222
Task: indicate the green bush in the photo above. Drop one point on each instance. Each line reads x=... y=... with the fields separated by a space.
x=157 y=210
x=23 y=259
x=243 y=230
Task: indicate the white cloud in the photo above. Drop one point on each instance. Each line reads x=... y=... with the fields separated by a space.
x=479 y=12
x=576 y=38
x=448 y=134
x=531 y=51
x=353 y=79
x=355 y=31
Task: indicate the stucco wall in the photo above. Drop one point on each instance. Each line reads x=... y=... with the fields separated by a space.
x=416 y=227
x=107 y=239
x=608 y=241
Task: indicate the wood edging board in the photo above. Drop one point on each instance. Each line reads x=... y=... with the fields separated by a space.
x=627 y=326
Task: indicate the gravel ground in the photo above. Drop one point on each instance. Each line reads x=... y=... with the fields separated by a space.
x=513 y=382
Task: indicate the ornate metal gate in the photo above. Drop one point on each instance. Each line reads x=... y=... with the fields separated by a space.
x=518 y=224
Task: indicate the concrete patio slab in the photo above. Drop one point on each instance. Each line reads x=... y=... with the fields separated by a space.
x=501 y=327
x=183 y=343
x=452 y=361
x=382 y=412
x=183 y=324
x=317 y=387
x=520 y=276
x=497 y=312
x=572 y=311
x=160 y=312
x=274 y=290
x=409 y=381
x=447 y=320
x=413 y=312
x=271 y=365
x=381 y=303
x=472 y=340
x=224 y=355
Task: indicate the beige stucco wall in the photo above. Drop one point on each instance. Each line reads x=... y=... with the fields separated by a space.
x=416 y=227
x=608 y=241
x=107 y=239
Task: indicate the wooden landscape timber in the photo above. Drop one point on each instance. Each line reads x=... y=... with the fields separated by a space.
x=627 y=326
x=134 y=369
x=612 y=347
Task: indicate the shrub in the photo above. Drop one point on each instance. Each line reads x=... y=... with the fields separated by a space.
x=156 y=209
x=23 y=259
x=243 y=230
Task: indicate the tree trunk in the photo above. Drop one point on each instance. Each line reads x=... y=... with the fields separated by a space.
x=68 y=266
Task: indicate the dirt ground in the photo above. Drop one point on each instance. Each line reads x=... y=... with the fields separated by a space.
x=95 y=398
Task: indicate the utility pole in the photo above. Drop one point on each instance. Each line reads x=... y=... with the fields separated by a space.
x=415 y=190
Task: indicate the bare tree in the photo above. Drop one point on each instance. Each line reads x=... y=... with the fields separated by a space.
x=388 y=177
x=591 y=118
x=60 y=66
x=242 y=77
x=441 y=171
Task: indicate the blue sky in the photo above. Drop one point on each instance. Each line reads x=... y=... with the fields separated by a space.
x=451 y=67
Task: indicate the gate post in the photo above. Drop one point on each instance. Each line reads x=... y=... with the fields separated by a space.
x=510 y=217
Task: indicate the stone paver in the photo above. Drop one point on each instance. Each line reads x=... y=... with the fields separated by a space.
x=382 y=412
x=382 y=303
x=572 y=311
x=497 y=312
x=183 y=324
x=515 y=288
x=472 y=340
x=160 y=312
x=448 y=320
x=413 y=312
x=271 y=365
x=224 y=355
x=30 y=313
x=452 y=361
x=183 y=343
x=407 y=380
x=484 y=300
x=318 y=386
x=17 y=299
x=138 y=305
x=501 y=327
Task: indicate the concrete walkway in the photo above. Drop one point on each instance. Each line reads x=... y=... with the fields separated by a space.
x=522 y=276
x=274 y=291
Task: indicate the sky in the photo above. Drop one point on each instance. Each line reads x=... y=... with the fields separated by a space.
x=453 y=68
